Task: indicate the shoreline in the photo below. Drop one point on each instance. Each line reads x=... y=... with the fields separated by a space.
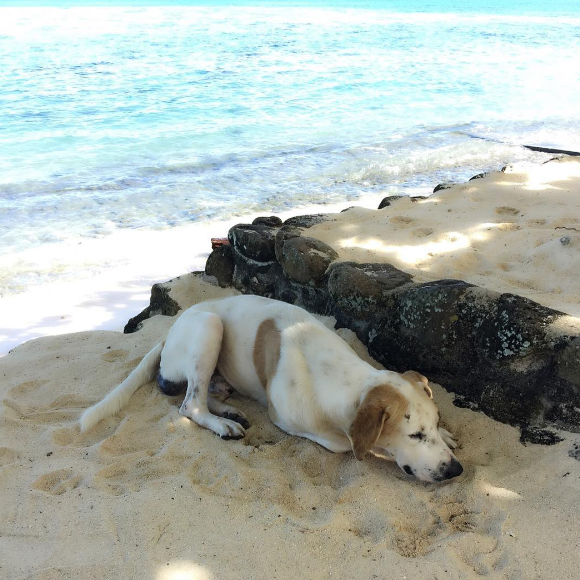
x=131 y=261
x=141 y=258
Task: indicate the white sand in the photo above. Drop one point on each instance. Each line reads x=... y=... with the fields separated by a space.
x=148 y=495
x=517 y=232
x=108 y=280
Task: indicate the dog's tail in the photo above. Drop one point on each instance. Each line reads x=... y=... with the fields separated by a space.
x=119 y=397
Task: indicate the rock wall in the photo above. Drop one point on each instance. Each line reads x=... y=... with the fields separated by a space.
x=504 y=354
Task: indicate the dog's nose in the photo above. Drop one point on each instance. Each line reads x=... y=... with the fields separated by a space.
x=453 y=469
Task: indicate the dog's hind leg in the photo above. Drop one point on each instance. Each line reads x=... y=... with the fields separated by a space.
x=219 y=388
x=219 y=391
x=198 y=348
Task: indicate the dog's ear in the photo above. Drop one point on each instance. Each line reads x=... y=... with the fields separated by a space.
x=416 y=377
x=379 y=412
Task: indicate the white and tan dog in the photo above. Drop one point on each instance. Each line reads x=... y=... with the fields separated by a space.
x=312 y=382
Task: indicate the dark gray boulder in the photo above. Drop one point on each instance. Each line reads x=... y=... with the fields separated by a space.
x=254 y=241
x=478 y=176
x=568 y=363
x=282 y=235
x=441 y=186
x=307 y=221
x=306 y=259
x=159 y=303
x=387 y=201
x=272 y=220
x=360 y=289
x=221 y=265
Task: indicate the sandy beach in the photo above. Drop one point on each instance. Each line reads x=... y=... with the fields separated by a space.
x=148 y=494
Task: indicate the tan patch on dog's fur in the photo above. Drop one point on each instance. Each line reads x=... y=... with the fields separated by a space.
x=266 y=351
x=378 y=415
x=414 y=377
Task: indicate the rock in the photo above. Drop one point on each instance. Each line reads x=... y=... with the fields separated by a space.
x=513 y=326
x=306 y=259
x=272 y=221
x=251 y=276
x=478 y=176
x=160 y=303
x=254 y=241
x=424 y=324
x=387 y=201
x=307 y=221
x=539 y=436
x=221 y=265
x=283 y=234
x=568 y=363
x=360 y=289
x=443 y=186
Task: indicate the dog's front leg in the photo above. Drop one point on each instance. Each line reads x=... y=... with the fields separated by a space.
x=448 y=438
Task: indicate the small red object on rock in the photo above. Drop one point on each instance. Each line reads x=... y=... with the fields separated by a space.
x=218 y=242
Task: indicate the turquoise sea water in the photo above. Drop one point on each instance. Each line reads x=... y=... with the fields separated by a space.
x=132 y=115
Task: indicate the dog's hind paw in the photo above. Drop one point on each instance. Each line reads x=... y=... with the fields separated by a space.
x=448 y=438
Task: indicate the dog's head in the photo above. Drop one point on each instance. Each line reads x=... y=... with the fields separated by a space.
x=402 y=422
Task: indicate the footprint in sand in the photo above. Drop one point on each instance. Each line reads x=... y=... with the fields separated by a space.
x=26 y=388
x=114 y=355
x=132 y=434
x=57 y=482
x=422 y=232
x=457 y=517
x=402 y=220
x=7 y=456
x=474 y=534
x=507 y=210
x=126 y=476
x=66 y=435
x=63 y=409
x=414 y=536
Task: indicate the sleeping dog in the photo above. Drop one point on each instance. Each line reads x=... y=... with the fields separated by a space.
x=311 y=381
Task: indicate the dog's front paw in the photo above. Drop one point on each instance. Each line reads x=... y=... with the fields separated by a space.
x=228 y=429
x=448 y=438
x=238 y=417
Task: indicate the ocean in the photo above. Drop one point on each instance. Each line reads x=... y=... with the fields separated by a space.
x=130 y=116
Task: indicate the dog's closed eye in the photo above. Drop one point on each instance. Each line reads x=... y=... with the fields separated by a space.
x=420 y=436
